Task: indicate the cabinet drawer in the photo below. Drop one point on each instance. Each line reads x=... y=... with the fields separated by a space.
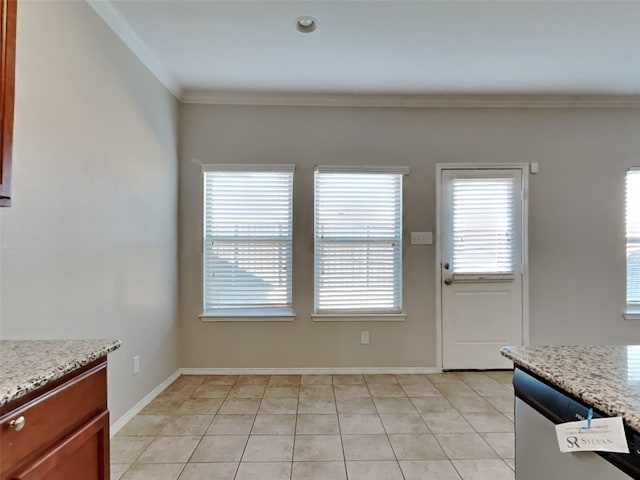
x=79 y=456
x=52 y=416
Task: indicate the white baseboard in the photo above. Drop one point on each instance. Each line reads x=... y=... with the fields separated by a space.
x=309 y=371
x=122 y=421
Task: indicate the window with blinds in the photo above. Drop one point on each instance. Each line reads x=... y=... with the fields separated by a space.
x=633 y=240
x=484 y=230
x=358 y=240
x=247 y=240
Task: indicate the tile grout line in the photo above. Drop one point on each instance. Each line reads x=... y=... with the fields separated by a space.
x=480 y=433
x=206 y=429
x=295 y=430
x=382 y=423
x=476 y=432
x=201 y=437
x=252 y=424
x=416 y=407
x=440 y=445
x=335 y=402
x=158 y=436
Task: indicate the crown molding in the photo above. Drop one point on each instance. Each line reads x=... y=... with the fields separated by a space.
x=114 y=19
x=411 y=101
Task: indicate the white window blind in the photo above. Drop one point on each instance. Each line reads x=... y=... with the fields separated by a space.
x=633 y=364
x=633 y=240
x=483 y=225
x=248 y=240
x=358 y=241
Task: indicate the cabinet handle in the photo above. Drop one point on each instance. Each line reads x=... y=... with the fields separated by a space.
x=17 y=424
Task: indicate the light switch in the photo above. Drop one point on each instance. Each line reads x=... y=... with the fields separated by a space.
x=421 y=238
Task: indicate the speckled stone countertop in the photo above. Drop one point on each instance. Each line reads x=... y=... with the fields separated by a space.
x=26 y=365
x=606 y=378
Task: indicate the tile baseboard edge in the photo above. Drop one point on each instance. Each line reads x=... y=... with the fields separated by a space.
x=124 y=419
x=310 y=371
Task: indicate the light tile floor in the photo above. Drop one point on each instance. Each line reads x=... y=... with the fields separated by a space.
x=450 y=426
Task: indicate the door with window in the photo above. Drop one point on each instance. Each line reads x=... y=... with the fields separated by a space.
x=482 y=245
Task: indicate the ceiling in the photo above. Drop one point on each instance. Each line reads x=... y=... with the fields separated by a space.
x=385 y=47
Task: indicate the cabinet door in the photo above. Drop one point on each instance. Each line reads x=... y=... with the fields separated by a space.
x=84 y=455
x=8 y=10
x=51 y=417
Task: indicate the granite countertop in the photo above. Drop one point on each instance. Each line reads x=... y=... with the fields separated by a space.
x=606 y=378
x=26 y=365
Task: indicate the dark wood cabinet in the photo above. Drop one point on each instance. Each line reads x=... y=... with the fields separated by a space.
x=60 y=431
x=78 y=457
x=7 y=94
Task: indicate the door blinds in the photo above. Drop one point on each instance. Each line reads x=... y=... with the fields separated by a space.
x=484 y=225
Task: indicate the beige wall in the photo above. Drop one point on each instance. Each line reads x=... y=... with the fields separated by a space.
x=576 y=221
x=89 y=245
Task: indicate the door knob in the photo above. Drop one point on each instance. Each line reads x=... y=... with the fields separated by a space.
x=448 y=281
x=446 y=266
x=17 y=424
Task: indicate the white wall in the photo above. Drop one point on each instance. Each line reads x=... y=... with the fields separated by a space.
x=576 y=221
x=89 y=245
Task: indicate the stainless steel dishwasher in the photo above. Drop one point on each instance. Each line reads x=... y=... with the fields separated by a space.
x=539 y=407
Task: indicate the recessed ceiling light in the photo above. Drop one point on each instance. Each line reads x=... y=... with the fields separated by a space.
x=306 y=24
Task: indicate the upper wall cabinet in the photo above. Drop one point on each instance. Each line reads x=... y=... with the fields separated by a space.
x=7 y=93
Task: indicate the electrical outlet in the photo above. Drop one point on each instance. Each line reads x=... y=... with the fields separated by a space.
x=136 y=364
x=364 y=337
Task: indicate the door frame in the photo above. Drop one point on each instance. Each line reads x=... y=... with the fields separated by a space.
x=524 y=168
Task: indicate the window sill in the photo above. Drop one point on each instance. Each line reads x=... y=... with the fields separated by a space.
x=269 y=315
x=359 y=317
x=632 y=314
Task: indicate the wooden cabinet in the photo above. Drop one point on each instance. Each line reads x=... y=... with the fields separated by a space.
x=8 y=12
x=60 y=431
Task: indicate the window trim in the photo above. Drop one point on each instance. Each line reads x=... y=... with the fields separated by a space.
x=361 y=315
x=361 y=169
x=247 y=167
x=246 y=313
x=256 y=315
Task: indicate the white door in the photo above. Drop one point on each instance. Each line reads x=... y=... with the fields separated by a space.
x=482 y=219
